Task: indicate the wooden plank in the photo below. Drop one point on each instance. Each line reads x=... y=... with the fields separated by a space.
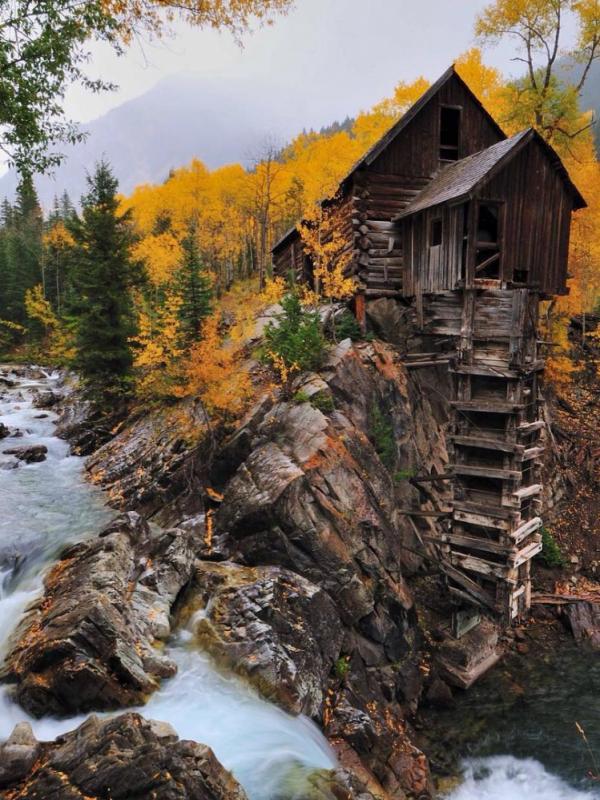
x=487 y=406
x=526 y=554
x=410 y=513
x=478 y=543
x=530 y=427
x=527 y=491
x=485 y=472
x=471 y=586
x=481 y=566
x=487 y=443
x=471 y=507
x=483 y=520
x=525 y=529
x=533 y=452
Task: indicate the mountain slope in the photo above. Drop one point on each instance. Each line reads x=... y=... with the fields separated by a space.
x=216 y=120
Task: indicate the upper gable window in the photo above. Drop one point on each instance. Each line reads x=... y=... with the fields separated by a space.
x=449 y=133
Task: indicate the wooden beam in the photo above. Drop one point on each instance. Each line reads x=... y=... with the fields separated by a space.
x=482 y=566
x=478 y=543
x=526 y=554
x=495 y=512
x=482 y=520
x=487 y=444
x=523 y=531
x=471 y=586
x=408 y=512
x=530 y=427
x=485 y=472
x=488 y=262
x=487 y=406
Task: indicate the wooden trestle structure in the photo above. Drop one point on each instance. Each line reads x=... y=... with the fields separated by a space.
x=494 y=446
x=470 y=229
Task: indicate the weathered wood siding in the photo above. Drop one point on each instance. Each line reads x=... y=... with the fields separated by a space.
x=537 y=219
x=415 y=152
x=430 y=268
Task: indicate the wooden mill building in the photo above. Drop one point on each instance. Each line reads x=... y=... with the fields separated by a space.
x=471 y=229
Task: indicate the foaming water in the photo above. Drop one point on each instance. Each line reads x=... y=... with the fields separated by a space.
x=46 y=505
x=508 y=778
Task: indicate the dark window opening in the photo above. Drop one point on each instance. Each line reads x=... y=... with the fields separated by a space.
x=520 y=275
x=449 y=133
x=487 y=244
x=435 y=233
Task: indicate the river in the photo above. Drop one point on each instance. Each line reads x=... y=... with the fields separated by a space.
x=44 y=506
x=520 y=743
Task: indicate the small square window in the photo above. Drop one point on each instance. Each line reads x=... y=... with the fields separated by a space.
x=435 y=234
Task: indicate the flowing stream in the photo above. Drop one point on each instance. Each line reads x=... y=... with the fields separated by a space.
x=47 y=505
x=520 y=741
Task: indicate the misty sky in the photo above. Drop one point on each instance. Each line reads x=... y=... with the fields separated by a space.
x=347 y=53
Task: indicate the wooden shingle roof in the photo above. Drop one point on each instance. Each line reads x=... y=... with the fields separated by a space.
x=459 y=180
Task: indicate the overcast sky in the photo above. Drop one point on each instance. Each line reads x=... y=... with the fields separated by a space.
x=348 y=53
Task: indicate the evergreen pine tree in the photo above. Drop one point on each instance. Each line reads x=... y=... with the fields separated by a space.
x=67 y=209
x=22 y=261
x=193 y=287
x=102 y=275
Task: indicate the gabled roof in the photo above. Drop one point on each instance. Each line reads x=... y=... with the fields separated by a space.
x=388 y=137
x=458 y=181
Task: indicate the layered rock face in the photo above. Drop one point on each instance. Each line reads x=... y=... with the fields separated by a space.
x=149 y=465
x=114 y=759
x=274 y=627
x=87 y=643
x=311 y=495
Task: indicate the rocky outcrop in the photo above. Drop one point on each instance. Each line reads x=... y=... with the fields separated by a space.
x=4 y=431
x=88 y=643
x=150 y=464
x=46 y=398
x=31 y=454
x=314 y=494
x=113 y=759
x=272 y=626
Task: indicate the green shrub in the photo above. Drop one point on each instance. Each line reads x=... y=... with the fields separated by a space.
x=551 y=554
x=404 y=475
x=296 y=338
x=342 y=667
x=300 y=397
x=323 y=402
x=347 y=327
x=382 y=435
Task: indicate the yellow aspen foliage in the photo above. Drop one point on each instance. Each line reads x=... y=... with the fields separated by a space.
x=161 y=253
x=156 y=17
x=57 y=340
x=58 y=237
x=329 y=251
x=158 y=351
x=214 y=374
